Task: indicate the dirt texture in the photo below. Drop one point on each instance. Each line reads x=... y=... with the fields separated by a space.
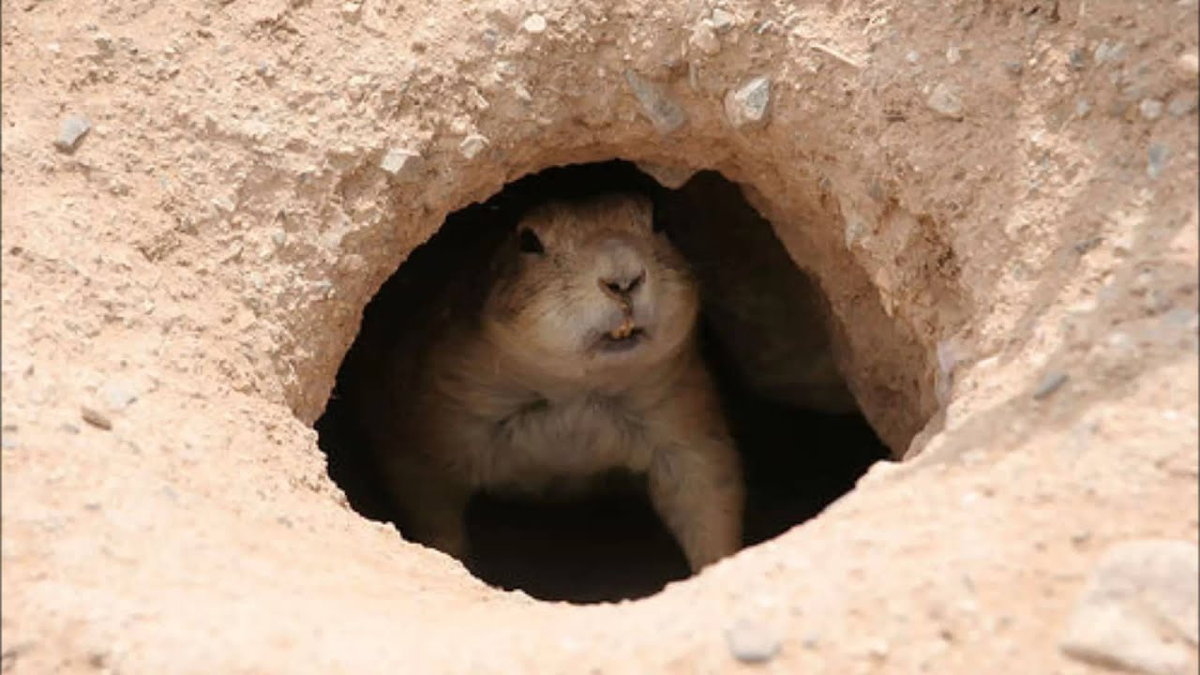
x=998 y=200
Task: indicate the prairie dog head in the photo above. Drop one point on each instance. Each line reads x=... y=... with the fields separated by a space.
x=590 y=287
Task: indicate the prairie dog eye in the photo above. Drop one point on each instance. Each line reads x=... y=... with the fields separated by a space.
x=530 y=243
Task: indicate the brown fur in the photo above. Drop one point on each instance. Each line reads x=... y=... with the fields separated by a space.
x=515 y=389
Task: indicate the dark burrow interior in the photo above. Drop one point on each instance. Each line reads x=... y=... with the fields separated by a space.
x=611 y=546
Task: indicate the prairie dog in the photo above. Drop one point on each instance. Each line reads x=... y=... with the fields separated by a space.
x=575 y=354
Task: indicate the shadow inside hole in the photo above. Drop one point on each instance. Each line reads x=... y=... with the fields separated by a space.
x=610 y=545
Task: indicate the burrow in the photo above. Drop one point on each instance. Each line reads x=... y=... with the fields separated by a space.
x=820 y=374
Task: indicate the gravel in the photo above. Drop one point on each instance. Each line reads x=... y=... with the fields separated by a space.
x=748 y=105
x=473 y=145
x=402 y=164
x=72 y=131
x=752 y=642
x=1151 y=108
x=945 y=101
x=95 y=418
x=1156 y=159
x=1050 y=383
x=664 y=113
x=534 y=24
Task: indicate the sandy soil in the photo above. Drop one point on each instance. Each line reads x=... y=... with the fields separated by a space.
x=998 y=200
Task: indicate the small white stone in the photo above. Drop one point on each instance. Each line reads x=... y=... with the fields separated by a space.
x=1189 y=65
x=473 y=145
x=402 y=164
x=722 y=21
x=1151 y=108
x=752 y=642
x=534 y=23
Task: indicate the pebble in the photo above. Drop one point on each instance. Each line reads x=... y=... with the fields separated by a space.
x=402 y=164
x=95 y=418
x=534 y=23
x=1106 y=52
x=1156 y=159
x=704 y=38
x=1138 y=608
x=1050 y=383
x=748 y=105
x=473 y=145
x=1189 y=66
x=752 y=642
x=351 y=11
x=73 y=129
x=723 y=21
x=1082 y=108
x=1183 y=103
x=118 y=395
x=665 y=114
x=945 y=101
x=1151 y=108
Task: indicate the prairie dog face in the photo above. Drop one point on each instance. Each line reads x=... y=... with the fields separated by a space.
x=588 y=287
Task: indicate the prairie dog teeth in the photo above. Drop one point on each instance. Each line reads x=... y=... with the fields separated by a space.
x=623 y=331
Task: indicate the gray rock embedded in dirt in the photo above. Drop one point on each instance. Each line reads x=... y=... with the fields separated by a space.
x=1050 y=383
x=945 y=101
x=1139 y=608
x=1106 y=52
x=402 y=165
x=73 y=130
x=1156 y=159
x=752 y=642
x=664 y=113
x=748 y=105
x=1182 y=104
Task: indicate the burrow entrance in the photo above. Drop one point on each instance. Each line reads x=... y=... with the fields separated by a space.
x=764 y=331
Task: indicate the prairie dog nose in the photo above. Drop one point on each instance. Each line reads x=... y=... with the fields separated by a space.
x=619 y=269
